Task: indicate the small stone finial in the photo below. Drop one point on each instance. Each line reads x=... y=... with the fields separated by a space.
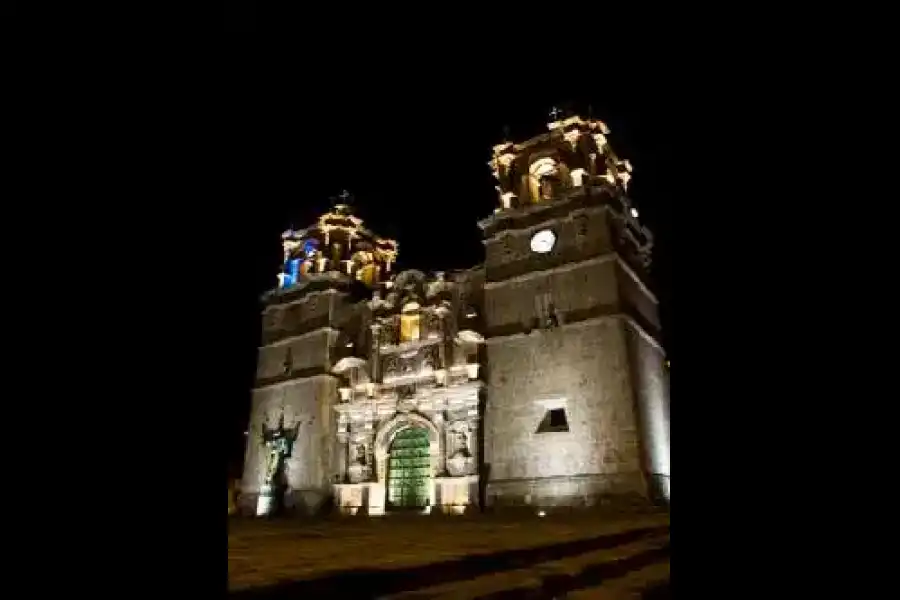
x=506 y=133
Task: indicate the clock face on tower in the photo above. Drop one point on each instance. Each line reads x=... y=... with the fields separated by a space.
x=543 y=241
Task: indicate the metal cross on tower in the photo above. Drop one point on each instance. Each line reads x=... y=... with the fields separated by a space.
x=342 y=200
x=555 y=113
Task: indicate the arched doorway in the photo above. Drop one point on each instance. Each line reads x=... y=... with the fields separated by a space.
x=409 y=469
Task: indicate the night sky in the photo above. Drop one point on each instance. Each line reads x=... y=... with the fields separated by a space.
x=415 y=164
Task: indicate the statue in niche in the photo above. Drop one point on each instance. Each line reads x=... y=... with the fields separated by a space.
x=361 y=455
x=462 y=443
x=389 y=366
x=279 y=442
x=460 y=461
x=407 y=368
x=433 y=324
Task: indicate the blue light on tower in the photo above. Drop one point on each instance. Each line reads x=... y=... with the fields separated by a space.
x=310 y=247
x=291 y=272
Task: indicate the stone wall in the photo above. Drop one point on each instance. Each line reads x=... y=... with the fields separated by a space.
x=652 y=394
x=304 y=313
x=310 y=351
x=580 y=235
x=583 y=368
x=313 y=463
x=634 y=299
x=575 y=291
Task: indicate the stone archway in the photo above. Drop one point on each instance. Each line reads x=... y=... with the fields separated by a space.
x=407 y=434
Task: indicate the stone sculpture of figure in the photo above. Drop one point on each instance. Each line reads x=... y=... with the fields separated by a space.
x=361 y=455
x=462 y=443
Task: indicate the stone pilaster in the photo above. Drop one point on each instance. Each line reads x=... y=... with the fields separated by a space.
x=375 y=353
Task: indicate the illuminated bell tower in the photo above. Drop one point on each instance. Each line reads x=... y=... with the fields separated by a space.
x=577 y=402
x=325 y=269
x=339 y=244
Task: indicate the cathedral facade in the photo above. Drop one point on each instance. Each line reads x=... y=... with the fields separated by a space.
x=535 y=379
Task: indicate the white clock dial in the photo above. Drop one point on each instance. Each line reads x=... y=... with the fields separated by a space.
x=543 y=241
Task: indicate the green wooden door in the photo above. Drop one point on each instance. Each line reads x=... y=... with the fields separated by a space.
x=409 y=469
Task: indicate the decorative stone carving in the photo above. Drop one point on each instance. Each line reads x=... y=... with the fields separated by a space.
x=433 y=324
x=390 y=330
x=405 y=392
x=391 y=365
x=460 y=459
x=408 y=364
x=357 y=473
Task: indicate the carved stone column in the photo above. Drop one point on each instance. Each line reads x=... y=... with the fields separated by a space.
x=442 y=347
x=343 y=444
x=375 y=353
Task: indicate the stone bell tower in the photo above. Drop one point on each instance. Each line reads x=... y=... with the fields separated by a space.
x=327 y=268
x=577 y=409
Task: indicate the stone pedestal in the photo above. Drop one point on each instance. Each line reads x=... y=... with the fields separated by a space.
x=456 y=495
x=376 y=498
x=265 y=501
x=366 y=498
x=350 y=498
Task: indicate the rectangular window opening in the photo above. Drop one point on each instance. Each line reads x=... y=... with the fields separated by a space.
x=554 y=420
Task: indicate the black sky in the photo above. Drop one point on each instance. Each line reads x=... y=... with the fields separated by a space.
x=415 y=162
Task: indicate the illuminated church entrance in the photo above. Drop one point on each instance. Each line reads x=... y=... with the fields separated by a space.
x=409 y=469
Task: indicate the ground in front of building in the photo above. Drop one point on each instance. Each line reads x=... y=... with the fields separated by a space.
x=579 y=555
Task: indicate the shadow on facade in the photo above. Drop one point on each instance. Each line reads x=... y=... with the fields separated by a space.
x=377 y=583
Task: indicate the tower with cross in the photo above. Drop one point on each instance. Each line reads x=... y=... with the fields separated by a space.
x=577 y=400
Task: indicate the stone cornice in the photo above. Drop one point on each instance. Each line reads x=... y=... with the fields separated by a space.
x=645 y=334
x=281 y=341
x=294 y=375
x=596 y=259
x=541 y=263
x=521 y=332
x=300 y=299
x=637 y=279
x=568 y=266
x=535 y=214
x=299 y=329
x=311 y=284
